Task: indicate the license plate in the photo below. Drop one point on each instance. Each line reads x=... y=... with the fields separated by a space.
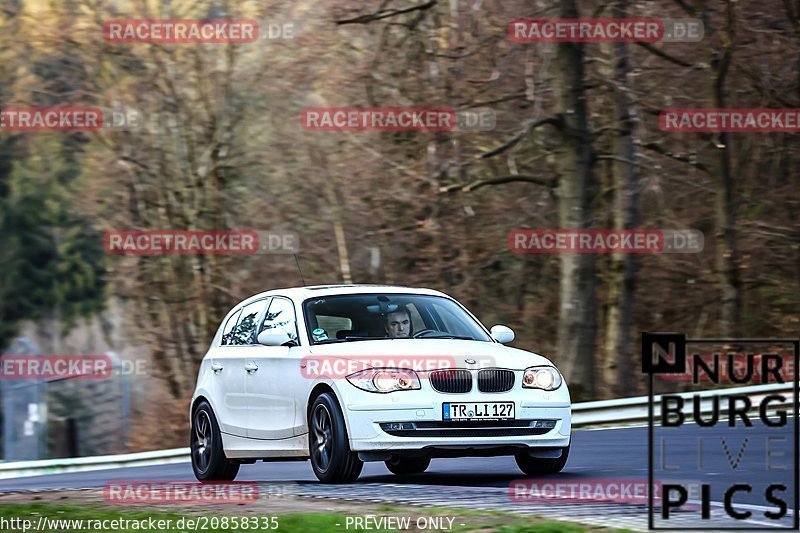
x=478 y=411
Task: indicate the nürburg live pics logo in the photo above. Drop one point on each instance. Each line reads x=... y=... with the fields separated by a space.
x=736 y=431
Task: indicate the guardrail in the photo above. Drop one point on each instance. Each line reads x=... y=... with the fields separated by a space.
x=631 y=410
x=624 y=411
x=85 y=464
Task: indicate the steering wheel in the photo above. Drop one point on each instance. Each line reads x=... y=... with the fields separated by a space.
x=423 y=332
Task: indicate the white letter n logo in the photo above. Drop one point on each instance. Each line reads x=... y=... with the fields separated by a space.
x=661 y=356
x=663 y=353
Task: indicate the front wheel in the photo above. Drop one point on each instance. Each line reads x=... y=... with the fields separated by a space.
x=409 y=465
x=328 y=445
x=535 y=466
x=208 y=457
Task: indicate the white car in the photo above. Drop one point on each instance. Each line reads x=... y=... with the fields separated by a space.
x=346 y=374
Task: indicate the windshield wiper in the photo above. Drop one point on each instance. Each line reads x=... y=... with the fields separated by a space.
x=347 y=339
x=354 y=339
x=457 y=337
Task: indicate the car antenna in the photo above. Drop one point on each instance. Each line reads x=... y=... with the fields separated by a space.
x=299 y=269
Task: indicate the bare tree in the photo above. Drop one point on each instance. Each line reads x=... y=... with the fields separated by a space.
x=727 y=250
x=618 y=353
x=575 y=157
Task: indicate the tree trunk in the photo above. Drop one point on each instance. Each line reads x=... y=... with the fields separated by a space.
x=622 y=279
x=727 y=252
x=575 y=157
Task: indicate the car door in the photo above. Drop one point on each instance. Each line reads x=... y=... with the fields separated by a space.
x=273 y=376
x=228 y=368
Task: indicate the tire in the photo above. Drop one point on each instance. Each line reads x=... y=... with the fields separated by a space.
x=534 y=466
x=208 y=457
x=408 y=465
x=328 y=445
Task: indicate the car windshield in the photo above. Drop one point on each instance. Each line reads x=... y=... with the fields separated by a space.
x=355 y=317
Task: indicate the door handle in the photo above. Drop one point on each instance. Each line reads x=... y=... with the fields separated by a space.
x=251 y=367
x=216 y=367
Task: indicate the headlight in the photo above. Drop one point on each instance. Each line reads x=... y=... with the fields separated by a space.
x=384 y=380
x=541 y=377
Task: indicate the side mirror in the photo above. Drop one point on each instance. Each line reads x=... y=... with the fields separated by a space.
x=275 y=337
x=502 y=334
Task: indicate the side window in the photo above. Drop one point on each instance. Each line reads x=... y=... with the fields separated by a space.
x=226 y=332
x=281 y=316
x=246 y=326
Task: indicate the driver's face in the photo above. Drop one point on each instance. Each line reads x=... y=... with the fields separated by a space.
x=398 y=324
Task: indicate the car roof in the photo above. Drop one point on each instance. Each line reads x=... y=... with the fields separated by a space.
x=312 y=291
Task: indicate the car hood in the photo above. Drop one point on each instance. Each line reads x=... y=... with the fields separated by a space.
x=429 y=354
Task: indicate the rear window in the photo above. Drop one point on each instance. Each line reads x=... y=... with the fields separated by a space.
x=226 y=332
x=245 y=328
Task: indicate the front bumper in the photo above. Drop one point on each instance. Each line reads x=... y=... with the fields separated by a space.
x=365 y=412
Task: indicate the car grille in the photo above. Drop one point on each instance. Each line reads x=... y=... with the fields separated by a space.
x=494 y=380
x=508 y=428
x=453 y=381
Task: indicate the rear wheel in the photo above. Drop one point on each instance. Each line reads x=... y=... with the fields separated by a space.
x=535 y=466
x=208 y=457
x=408 y=465
x=328 y=445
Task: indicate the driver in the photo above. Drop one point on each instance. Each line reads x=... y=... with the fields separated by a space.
x=398 y=323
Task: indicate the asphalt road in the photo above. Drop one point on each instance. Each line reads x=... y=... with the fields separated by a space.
x=604 y=454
